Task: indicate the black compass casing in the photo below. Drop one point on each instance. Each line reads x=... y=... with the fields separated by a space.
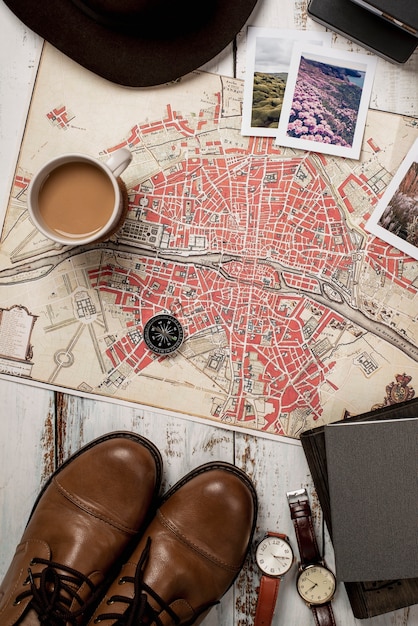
x=163 y=334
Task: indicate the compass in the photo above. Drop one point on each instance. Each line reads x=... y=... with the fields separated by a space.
x=163 y=334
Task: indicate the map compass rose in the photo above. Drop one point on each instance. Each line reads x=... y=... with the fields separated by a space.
x=163 y=334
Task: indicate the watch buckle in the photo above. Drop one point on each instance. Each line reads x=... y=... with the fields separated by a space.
x=293 y=496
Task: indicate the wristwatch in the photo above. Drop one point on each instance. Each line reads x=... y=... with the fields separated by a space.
x=315 y=582
x=274 y=557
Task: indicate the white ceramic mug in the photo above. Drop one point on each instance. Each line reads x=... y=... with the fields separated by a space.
x=76 y=199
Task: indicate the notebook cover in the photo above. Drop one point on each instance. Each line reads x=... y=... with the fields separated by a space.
x=371 y=598
x=373 y=473
x=365 y=28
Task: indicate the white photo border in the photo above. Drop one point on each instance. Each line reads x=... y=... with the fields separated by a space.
x=339 y=58
x=373 y=226
x=253 y=34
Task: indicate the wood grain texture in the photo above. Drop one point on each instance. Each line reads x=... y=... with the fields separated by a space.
x=40 y=428
x=27 y=457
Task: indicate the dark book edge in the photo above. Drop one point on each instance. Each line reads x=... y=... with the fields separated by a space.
x=367 y=599
x=399 y=15
x=365 y=28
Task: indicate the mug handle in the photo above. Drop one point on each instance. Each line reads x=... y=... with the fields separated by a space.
x=119 y=161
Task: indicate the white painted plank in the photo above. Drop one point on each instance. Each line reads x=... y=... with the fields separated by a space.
x=26 y=458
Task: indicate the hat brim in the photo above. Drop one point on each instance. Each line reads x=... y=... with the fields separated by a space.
x=125 y=58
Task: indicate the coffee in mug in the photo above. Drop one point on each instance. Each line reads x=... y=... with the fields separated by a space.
x=77 y=199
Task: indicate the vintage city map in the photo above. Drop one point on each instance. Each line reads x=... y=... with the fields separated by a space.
x=293 y=314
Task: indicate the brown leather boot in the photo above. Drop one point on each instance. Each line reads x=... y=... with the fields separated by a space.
x=84 y=519
x=189 y=555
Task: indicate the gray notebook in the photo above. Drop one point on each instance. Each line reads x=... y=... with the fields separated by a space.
x=373 y=486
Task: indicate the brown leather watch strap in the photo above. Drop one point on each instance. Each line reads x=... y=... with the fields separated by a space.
x=323 y=615
x=300 y=512
x=266 y=603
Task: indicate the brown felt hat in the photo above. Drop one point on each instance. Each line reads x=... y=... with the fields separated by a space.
x=138 y=43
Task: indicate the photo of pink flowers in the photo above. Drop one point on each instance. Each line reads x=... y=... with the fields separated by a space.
x=325 y=106
x=395 y=219
x=325 y=102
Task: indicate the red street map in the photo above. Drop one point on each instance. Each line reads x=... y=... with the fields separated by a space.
x=293 y=315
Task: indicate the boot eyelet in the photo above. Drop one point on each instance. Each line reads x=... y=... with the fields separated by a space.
x=16 y=602
x=97 y=620
x=121 y=581
x=110 y=601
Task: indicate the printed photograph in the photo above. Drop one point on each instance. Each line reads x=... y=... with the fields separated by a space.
x=395 y=219
x=326 y=101
x=269 y=51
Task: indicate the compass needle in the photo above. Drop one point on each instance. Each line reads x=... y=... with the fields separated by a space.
x=163 y=334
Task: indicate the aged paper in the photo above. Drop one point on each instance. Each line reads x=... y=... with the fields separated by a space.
x=293 y=314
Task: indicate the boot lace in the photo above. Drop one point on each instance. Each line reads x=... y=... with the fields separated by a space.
x=53 y=591
x=138 y=610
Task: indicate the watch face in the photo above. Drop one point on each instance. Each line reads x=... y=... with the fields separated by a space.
x=316 y=584
x=163 y=334
x=274 y=556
